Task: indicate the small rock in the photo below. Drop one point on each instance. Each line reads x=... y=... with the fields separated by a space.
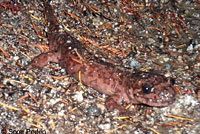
x=79 y=96
x=93 y=110
x=190 y=47
x=134 y=63
x=151 y=41
x=106 y=126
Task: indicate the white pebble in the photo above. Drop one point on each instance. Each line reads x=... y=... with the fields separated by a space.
x=106 y=126
x=79 y=96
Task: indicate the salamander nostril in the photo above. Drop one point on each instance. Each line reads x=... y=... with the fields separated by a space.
x=146 y=88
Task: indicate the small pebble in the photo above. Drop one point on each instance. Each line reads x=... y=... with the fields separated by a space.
x=79 y=96
x=93 y=110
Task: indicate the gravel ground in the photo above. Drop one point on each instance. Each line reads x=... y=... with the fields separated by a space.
x=161 y=36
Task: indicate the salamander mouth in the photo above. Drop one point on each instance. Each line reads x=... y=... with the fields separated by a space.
x=158 y=96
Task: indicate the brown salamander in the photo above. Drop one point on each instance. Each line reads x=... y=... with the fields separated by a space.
x=136 y=88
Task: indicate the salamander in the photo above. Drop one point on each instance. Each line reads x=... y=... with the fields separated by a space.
x=147 y=88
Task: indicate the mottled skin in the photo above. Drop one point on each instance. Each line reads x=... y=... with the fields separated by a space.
x=137 y=88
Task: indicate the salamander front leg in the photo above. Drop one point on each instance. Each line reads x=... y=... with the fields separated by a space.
x=113 y=102
x=42 y=60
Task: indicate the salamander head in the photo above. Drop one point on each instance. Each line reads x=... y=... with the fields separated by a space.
x=155 y=91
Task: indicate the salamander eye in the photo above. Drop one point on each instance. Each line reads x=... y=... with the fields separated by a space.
x=146 y=88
